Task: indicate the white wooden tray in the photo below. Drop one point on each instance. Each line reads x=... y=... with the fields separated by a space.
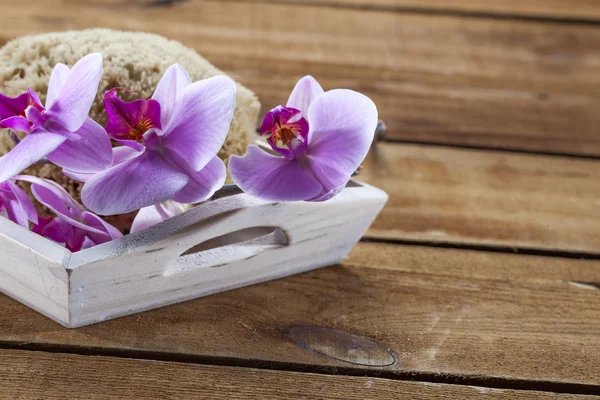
x=232 y=241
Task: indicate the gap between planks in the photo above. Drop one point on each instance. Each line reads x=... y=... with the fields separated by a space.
x=487 y=382
x=32 y=375
x=498 y=149
x=422 y=8
x=524 y=251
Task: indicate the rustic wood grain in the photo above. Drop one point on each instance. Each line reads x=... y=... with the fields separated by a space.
x=485 y=198
x=585 y=10
x=35 y=375
x=443 y=79
x=388 y=309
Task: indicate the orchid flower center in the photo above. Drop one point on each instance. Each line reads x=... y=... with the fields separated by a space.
x=288 y=131
x=283 y=134
x=136 y=132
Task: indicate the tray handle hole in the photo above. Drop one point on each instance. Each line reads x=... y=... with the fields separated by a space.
x=249 y=237
x=228 y=248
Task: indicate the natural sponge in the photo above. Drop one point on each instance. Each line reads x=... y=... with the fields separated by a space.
x=132 y=60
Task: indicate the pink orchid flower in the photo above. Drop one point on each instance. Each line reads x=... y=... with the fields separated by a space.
x=74 y=227
x=176 y=157
x=16 y=205
x=155 y=214
x=60 y=130
x=322 y=138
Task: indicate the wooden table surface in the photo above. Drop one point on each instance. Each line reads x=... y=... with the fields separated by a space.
x=481 y=277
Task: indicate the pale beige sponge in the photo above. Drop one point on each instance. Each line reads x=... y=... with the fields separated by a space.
x=132 y=60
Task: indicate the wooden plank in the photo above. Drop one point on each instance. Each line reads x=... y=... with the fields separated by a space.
x=388 y=309
x=35 y=375
x=585 y=10
x=435 y=78
x=485 y=198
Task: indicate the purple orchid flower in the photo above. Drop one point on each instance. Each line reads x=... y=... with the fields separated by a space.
x=74 y=226
x=60 y=130
x=323 y=137
x=155 y=214
x=177 y=152
x=16 y=205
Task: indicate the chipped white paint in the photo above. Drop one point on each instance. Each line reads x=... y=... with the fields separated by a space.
x=232 y=241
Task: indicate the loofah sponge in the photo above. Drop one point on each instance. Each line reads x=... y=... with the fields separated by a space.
x=132 y=60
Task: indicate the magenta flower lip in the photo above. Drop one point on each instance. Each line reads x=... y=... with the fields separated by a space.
x=322 y=136
x=287 y=130
x=129 y=121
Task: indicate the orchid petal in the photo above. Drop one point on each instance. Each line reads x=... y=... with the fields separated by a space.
x=342 y=127
x=35 y=146
x=16 y=205
x=203 y=183
x=74 y=226
x=120 y=155
x=41 y=225
x=74 y=100
x=12 y=106
x=139 y=182
x=64 y=233
x=305 y=92
x=86 y=150
x=123 y=153
x=59 y=76
x=149 y=216
x=200 y=121
x=272 y=178
x=35 y=116
x=87 y=243
x=169 y=89
x=15 y=213
x=109 y=232
x=24 y=203
x=17 y=123
x=132 y=144
x=35 y=99
x=54 y=229
x=328 y=195
x=53 y=196
x=77 y=176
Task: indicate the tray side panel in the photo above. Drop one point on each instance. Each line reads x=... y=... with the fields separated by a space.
x=318 y=234
x=34 y=279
